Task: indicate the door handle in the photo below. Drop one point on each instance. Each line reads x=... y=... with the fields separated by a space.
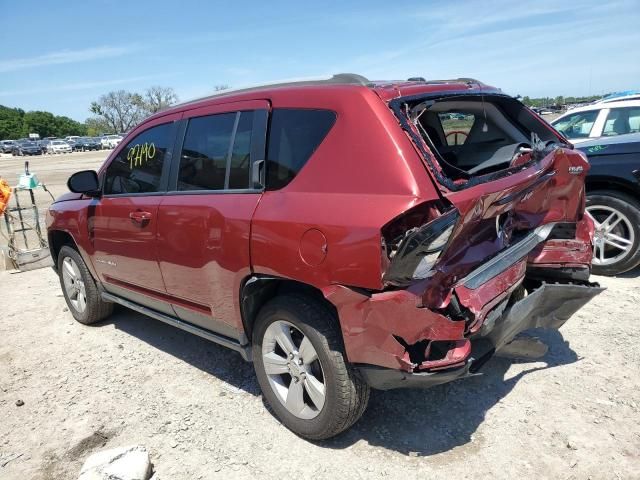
x=140 y=217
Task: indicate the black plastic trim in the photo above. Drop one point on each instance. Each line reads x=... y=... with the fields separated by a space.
x=388 y=379
x=245 y=351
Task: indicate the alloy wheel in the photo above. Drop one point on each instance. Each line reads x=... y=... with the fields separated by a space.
x=614 y=236
x=74 y=285
x=293 y=369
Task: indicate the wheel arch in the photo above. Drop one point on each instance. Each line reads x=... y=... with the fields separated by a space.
x=258 y=289
x=58 y=239
x=614 y=185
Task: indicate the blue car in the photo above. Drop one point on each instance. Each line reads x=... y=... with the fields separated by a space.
x=613 y=200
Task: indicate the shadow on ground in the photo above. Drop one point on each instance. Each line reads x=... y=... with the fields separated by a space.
x=635 y=273
x=207 y=356
x=420 y=422
x=427 y=422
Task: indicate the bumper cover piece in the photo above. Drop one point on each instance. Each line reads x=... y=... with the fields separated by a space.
x=549 y=306
x=388 y=379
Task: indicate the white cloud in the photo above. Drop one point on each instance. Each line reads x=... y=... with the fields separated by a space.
x=80 y=86
x=65 y=56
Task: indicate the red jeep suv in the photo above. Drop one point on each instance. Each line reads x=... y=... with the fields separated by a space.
x=341 y=234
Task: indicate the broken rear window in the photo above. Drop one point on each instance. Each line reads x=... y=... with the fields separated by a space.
x=474 y=137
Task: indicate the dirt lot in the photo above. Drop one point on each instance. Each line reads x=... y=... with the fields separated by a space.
x=52 y=170
x=574 y=414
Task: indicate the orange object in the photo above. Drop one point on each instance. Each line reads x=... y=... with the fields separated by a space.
x=5 y=195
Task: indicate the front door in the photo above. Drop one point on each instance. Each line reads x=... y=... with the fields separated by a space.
x=123 y=223
x=204 y=220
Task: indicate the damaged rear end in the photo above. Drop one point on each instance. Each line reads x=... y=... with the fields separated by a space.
x=506 y=248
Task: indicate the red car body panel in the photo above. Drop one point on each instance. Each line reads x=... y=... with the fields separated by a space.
x=324 y=229
x=117 y=240
x=203 y=254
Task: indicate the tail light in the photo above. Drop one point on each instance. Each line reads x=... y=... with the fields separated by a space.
x=413 y=255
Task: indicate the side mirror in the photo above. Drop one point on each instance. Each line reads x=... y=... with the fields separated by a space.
x=85 y=182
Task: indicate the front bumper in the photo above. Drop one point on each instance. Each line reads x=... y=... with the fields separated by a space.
x=549 y=306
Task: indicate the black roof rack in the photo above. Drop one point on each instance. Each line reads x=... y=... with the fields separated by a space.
x=450 y=80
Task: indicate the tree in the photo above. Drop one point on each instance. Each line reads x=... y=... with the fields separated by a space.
x=97 y=126
x=121 y=110
x=159 y=98
x=15 y=123
x=219 y=88
x=11 y=124
x=67 y=126
x=42 y=123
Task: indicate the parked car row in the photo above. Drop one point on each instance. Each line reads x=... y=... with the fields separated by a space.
x=25 y=147
x=69 y=144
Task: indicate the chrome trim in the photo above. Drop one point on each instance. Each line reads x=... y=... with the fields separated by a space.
x=506 y=258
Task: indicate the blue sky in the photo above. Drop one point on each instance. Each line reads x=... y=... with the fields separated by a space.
x=59 y=57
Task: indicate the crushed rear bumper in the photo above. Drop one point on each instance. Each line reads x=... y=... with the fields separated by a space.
x=549 y=306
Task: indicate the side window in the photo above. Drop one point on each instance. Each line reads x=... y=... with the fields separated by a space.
x=294 y=135
x=138 y=166
x=578 y=125
x=622 y=120
x=456 y=126
x=216 y=152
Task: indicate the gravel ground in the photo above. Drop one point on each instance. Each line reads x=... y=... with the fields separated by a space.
x=573 y=414
x=197 y=407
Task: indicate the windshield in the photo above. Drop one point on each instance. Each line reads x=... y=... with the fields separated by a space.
x=576 y=125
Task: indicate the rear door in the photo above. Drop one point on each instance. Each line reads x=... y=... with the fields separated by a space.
x=204 y=221
x=124 y=221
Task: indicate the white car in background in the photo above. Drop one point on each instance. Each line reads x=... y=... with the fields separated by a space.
x=58 y=146
x=601 y=119
x=110 y=141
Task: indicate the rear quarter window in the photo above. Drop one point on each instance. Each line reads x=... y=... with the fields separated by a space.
x=294 y=134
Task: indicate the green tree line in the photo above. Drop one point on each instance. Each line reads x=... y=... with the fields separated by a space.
x=114 y=112
x=16 y=123
x=560 y=100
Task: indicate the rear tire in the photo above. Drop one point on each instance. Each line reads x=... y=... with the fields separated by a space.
x=626 y=210
x=79 y=288
x=344 y=393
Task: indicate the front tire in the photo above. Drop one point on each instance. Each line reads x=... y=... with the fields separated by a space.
x=617 y=236
x=302 y=368
x=79 y=288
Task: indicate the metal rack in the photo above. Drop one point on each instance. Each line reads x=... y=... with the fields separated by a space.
x=25 y=251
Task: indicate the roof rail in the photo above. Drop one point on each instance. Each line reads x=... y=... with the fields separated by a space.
x=337 y=79
x=448 y=80
x=458 y=80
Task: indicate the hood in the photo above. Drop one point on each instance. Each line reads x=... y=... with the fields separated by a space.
x=66 y=197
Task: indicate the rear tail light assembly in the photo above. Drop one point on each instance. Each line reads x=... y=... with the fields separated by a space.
x=413 y=255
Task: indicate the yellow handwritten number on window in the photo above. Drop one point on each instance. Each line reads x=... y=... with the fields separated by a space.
x=140 y=154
